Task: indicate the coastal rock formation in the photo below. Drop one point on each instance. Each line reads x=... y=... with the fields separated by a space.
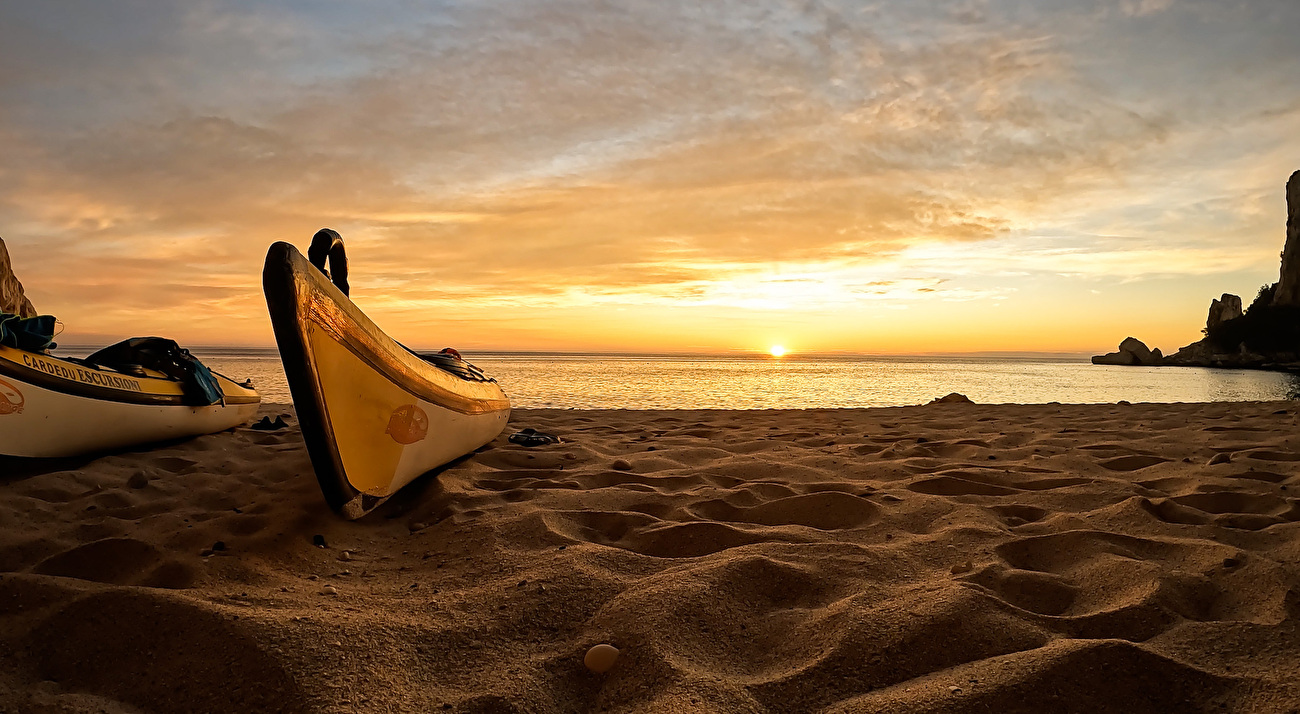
x=12 y=299
x=1288 y=284
x=1132 y=351
x=1265 y=335
x=1227 y=307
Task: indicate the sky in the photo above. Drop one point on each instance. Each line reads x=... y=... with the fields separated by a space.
x=655 y=175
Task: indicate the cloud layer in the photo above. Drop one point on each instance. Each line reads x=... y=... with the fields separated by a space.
x=712 y=171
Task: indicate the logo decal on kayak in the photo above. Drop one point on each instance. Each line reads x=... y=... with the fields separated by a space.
x=11 y=400
x=408 y=424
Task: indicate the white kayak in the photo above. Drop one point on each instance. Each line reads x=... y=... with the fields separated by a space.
x=374 y=415
x=56 y=407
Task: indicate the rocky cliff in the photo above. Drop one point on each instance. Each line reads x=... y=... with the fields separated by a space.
x=12 y=299
x=1264 y=336
x=1288 y=284
x=1227 y=307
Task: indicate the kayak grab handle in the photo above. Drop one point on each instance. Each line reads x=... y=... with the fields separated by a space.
x=327 y=243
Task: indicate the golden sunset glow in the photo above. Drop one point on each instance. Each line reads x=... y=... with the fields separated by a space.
x=864 y=178
x=776 y=351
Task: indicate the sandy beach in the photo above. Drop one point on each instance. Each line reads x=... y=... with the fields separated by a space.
x=939 y=558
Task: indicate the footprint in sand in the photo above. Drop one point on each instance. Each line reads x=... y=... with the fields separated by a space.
x=1127 y=587
x=827 y=510
x=1254 y=475
x=1270 y=455
x=1133 y=463
x=647 y=535
x=1019 y=514
x=1039 y=592
x=1230 y=509
x=689 y=540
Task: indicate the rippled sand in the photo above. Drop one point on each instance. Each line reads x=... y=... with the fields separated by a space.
x=921 y=559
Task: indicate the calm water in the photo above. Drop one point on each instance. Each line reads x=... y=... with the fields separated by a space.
x=634 y=382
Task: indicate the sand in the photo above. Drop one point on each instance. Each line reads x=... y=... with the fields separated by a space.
x=941 y=558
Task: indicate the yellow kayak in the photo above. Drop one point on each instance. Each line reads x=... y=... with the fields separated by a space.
x=374 y=415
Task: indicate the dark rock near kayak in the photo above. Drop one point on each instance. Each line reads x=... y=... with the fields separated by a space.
x=267 y=425
x=1288 y=284
x=532 y=437
x=1132 y=351
x=953 y=398
x=12 y=298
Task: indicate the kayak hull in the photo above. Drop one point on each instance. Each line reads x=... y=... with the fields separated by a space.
x=374 y=416
x=52 y=407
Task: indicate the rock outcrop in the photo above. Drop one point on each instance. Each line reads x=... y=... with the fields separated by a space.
x=1288 y=284
x=1225 y=308
x=1265 y=335
x=12 y=298
x=1132 y=351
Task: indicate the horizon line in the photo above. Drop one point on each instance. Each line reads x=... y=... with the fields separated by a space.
x=760 y=354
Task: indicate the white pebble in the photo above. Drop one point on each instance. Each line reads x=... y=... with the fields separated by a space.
x=329 y=590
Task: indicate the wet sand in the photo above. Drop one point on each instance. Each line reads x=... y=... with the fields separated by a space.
x=940 y=558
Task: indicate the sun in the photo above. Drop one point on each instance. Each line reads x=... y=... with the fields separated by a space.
x=776 y=351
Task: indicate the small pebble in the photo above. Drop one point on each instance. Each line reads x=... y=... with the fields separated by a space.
x=415 y=527
x=600 y=659
x=963 y=568
x=954 y=690
x=890 y=497
x=139 y=479
x=1231 y=562
x=219 y=545
x=1220 y=459
x=329 y=590
x=318 y=540
x=345 y=555
x=621 y=465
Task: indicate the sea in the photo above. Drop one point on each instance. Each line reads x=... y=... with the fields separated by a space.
x=629 y=381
